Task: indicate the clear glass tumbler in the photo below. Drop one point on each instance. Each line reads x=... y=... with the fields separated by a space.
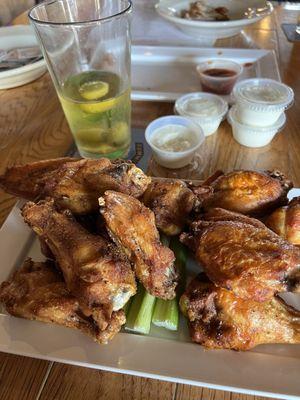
x=86 y=45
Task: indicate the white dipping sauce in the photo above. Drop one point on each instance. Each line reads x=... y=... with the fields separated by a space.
x=265 y=94
x=174 y=138
x=201 y=107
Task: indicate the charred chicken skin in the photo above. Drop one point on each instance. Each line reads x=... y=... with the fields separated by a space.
x=38 y=292
x=74 y=185
x=285 y=221
x=239 y=253
x=247 y=192
x=132 y=226
x=220 y=320
x=172 y=203
x=95 y=271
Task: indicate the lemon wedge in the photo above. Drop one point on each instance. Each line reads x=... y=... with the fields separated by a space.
x=94 y=90
x=99 y=107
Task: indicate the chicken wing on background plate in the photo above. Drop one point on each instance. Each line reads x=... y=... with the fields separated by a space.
x=172 y=203
x=241 y=254
x=247 y=192
x=95 y=271
x=132 y=226
x=220 y=320
x=38 y=292
x=285 y=221
x=75 y=185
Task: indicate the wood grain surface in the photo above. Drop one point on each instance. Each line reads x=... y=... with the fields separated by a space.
x=33 y=127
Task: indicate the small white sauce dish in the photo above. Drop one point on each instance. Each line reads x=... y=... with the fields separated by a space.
x=174 y=159
x=253 y=136
x=207 y=110
x=261 y=102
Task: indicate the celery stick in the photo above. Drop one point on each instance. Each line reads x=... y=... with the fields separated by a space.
x=127 y=306
x=140 y=312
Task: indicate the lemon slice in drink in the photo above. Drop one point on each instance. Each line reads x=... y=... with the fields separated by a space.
x=99 y=107
x=94 y=90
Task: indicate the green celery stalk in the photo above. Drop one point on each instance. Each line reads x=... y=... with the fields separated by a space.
x=127 y=306
x=140 y=312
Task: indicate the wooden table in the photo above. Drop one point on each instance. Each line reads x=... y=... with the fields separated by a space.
x=33 y=127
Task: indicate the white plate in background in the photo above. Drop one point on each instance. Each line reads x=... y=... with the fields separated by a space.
x=15 y=37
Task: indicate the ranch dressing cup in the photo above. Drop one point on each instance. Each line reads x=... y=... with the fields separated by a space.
x=260 y=102
x=174 y=140
x=208 y=110
x=253 y=136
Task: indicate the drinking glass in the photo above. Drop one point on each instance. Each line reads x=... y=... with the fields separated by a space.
x=86 y=45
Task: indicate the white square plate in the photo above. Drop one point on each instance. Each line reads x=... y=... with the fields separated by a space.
x=166 y=73
x=269 y=370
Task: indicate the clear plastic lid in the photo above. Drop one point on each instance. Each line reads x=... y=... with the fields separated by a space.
x=261 y=94
x=201 y=105
x=233 y=119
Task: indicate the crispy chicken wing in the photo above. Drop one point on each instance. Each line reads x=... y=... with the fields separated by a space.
x=37 y=292
x=285 y=221
x=241 y=254
x=95 y=271
x=172 y=202
x=132 y=226
x=247 y=192
x=75 y=185
x=220 y=320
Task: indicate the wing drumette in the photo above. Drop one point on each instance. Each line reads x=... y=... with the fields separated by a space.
x=241 y=254
x=37 y=292
x=247 y=192
x=95 y=271
x=285 y=221
x=220 y=320
x=172 y=202
x=74 y=185
x=132 y=226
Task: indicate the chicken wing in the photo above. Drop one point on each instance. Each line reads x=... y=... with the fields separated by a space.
x=95 y=271
x=247 y=192
x=220 y=320
x=285 y=221
x=132 y=226
x=37 y=292
x=241 y=254
x=75 y=185
x=172 y=203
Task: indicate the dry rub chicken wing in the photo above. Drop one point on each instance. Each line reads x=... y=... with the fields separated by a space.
x=172 y=203
x=285 y=221
x=220 y=320
x=132 y=226
x=95 y=271
x=247 y=192
x=37 y=292
x=241 y=254
x=75 y=185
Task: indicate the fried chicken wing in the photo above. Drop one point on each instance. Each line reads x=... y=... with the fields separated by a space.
x=74 y=185
x=247 y=192
x=37 y=292
x=95 y=271
x=132 y=226
x=172 y=203
x=285 y=221
x=241 y=254
x=220 y=320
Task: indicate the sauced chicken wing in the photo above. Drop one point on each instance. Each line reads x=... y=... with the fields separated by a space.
x=75 y=185
x=172 y=202
x=37 y=292
x=132 y=226
x=220 y=320
x=241 y=254
x=95 y=271
x=285 y=221
x=247 y=192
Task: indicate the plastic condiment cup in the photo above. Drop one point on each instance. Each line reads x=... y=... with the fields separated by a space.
x=261 y=101
x=208 y=116
x=253 y=136
x=174 y=159
x=218 y=84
